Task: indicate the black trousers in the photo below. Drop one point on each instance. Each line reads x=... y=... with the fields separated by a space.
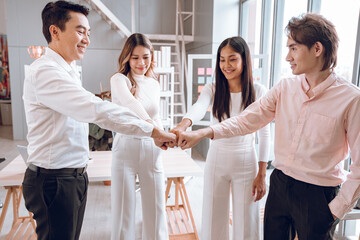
x=295 y=206
x=57 y=201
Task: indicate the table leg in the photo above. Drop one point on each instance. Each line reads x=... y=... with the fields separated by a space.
x=17 y=194
x=20 y=224
x=180 y=213
x=5 y=208
x=188 y=207
x=168 y=186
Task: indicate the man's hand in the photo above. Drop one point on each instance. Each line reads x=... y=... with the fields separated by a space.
x=162 y=138
x=190 y=139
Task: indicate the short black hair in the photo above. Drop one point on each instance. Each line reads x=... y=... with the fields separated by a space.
x=57 y=13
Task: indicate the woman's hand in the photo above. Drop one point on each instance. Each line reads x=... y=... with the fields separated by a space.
x=181 y=127
x=162 y=138
x=190 y=139
x=259 y=185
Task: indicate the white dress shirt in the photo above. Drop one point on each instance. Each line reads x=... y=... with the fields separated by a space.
x=57 y=110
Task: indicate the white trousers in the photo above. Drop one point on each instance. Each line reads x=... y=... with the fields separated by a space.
x=236 y=167
x=137 y=155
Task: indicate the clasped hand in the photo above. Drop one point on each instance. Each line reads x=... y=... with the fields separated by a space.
x=175 y=138
x=179 y=137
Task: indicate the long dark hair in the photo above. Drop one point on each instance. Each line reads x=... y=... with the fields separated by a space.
x=136 y=39
x=221 y=106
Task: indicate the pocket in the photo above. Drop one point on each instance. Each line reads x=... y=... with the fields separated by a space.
x=50 y=189
x=121 y=143
x=329 y=194
x=84 y=184
x=157 y=158
x=319 y=128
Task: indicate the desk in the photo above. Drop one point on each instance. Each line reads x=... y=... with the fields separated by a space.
x=99 y=169
x=177 y=165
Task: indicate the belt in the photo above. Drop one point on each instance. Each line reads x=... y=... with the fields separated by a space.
x=69 y=171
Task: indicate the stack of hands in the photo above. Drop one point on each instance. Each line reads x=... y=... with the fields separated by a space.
x=178 y=137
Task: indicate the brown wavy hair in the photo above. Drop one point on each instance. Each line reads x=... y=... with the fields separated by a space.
x=311 y=28
x=221 y=106
x=136 y=39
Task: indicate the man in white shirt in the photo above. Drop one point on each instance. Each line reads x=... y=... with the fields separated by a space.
x=57 y=111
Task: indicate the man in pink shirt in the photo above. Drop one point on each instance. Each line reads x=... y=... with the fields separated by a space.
x=317 y=121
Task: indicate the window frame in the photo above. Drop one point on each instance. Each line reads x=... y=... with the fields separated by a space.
x=276 y=26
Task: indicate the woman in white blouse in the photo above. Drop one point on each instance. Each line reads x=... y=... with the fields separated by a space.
x=135 y=86
x=231 y=164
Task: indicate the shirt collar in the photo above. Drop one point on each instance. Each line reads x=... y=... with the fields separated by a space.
x=320 y=88
x=60 y=60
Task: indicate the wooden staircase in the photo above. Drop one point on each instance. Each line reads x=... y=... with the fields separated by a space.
x=176 y=41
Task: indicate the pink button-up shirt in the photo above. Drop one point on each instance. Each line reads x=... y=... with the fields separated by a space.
x=312 y=135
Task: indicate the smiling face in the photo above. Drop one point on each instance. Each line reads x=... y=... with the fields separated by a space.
x=301 y=58
x=140 y=60
x=73 y=41
x=231 y=63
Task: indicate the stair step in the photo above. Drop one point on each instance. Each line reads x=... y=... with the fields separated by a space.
x=178 y=104
x=163 y=44
x=169 y=37
x=178 y=114
x=178 y=93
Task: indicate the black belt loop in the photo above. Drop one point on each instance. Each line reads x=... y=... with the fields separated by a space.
x=37 y=172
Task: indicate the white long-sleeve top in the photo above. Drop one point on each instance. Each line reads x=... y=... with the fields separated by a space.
x=146 y=101
x=57 y=110
x=206 y=99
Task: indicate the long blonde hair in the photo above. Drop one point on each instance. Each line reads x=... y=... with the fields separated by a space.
x=136 y=39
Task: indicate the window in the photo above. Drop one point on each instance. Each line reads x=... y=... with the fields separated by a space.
x=256 y=29
x=345 y=18
x=292 y=8
x=250 y=28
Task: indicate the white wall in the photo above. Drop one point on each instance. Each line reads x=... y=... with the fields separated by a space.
x=2 y=16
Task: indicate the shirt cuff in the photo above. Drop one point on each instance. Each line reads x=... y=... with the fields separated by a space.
x=338 y=208
x=148 y=129
x=216 y=129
